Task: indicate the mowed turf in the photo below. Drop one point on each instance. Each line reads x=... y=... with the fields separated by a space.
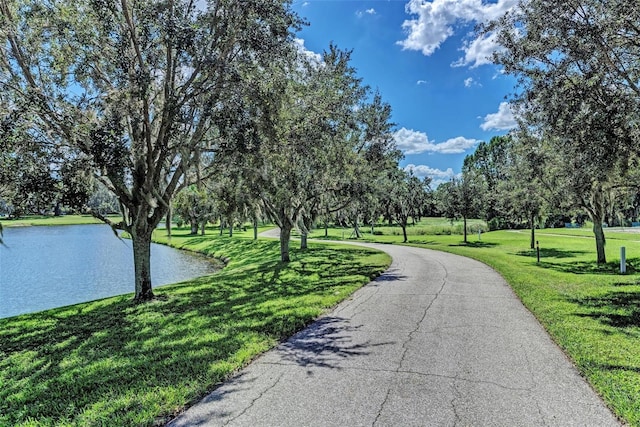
x=114 y=363
x=51 y=220
x=591 y=311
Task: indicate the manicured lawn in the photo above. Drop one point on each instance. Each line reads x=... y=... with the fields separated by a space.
x=50 y=220
x=591 y=311
x=112 y=362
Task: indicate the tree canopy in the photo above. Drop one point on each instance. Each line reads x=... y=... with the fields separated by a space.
x=578 y=69
x=139 y=92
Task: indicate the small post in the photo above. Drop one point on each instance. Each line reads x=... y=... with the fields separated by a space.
x=623 y=260
x=479 y=233
x=538 y=250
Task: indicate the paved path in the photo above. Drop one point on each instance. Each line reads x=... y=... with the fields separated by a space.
x=438 y=340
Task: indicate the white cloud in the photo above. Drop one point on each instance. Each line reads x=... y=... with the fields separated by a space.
x=421 y=82
x=437 y=176
x=413 y=142
x=305 y=4
x=504 y=119
x=456 y=145
x=470 y=82
x=310 y=55
x=437 y=20
x=361 y=13
x=478 y=52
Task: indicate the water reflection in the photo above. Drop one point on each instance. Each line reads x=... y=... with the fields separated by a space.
x=48 y=267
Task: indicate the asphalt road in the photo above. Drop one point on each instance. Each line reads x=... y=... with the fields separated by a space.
x=437 y=340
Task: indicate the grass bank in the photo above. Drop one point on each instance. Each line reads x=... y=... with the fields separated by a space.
x=112 y=362
x=50 y=220
x=591 y=311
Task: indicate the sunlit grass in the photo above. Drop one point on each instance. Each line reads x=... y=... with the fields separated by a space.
x=591 y=311
x=112 y=362
x=36 y=220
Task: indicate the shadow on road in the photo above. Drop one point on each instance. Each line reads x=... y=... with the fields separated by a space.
x=326 y=344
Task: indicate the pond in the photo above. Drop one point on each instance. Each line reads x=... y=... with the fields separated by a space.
x=49 y=267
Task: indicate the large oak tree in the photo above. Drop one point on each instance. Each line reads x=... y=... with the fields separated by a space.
x=140 y=91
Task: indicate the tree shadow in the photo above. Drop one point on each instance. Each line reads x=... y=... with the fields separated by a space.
x=423 y=242
x=616 y=309
x=325 y=344
x=550 y=253
x=390 y=277
x=479 y=244
x=591 y=267
x=62 y=362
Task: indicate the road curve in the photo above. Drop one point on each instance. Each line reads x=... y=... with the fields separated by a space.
x=437 y=340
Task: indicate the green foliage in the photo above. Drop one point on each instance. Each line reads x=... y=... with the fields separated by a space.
x=577 y=65
x=114 y=362
x=195 y=206
x=140 y=95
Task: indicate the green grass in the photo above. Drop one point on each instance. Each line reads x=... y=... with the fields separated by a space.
x=50 y=220
x=591 y=311
x=425 y=227
x=112 y=362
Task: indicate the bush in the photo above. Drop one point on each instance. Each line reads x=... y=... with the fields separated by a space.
x=495 y=224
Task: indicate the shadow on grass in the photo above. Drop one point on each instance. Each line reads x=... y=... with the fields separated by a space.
x=475 y=244
x=591 y=267
x=616 y=309
x=423 y=242
x=550 y=253
x=609 y=367
x=116 y=362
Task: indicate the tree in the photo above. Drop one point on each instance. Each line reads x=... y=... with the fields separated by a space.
x=143 y=90
x=194 y=205
x=406 y=196
x=578 y=67
x=459 y=199
x=377 y=164
x=525 y=189
x=310 y=154
x=489 y=164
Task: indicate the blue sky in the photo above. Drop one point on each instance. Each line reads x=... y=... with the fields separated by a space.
x=428 y=64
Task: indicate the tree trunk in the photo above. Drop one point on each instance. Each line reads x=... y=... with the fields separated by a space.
x=533 y=231
x=202 y=226
x=596 y=213
x=326 y=228
x=167 y=223
x=231 y=229
x=221 y=226
x=356 y=229
x=142 y=263
x=303 y=240
x=194 y=225
x=404 y=231
x=600 y=240
x=255 y=229
x=464 y=228
x=285 y=235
